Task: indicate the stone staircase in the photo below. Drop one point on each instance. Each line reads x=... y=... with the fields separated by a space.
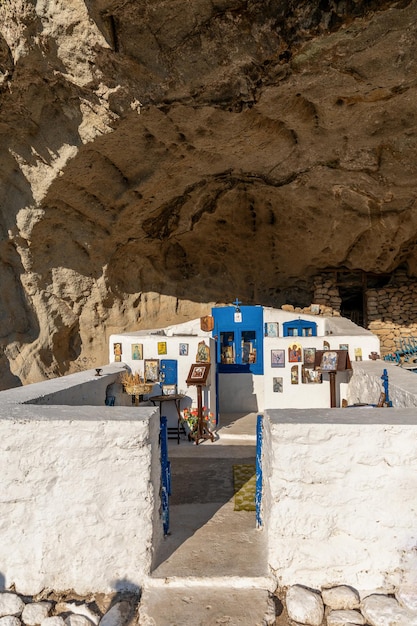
x=212 y=567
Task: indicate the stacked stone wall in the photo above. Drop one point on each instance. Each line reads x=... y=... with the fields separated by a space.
x=391 y=311
x=392 y=314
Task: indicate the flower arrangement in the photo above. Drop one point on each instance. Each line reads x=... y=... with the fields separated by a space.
x=190 y=417
x=135 y=383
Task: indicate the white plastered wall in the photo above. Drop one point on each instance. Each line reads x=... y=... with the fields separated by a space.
x=80 y=490
x=339 y=497
x=173 y=337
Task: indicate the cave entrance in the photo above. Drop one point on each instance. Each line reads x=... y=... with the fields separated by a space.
x=353 y=286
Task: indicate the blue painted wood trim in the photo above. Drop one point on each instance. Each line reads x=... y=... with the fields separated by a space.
x=165 y=475
x=384 y=378
x=258 y=494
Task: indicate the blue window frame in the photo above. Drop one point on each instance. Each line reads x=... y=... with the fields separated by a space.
x=239 y=334
x=299 y=328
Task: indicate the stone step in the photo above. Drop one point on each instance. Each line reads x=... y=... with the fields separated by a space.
x=207 y=602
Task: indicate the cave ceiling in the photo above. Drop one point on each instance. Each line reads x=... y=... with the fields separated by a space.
x=158 y=156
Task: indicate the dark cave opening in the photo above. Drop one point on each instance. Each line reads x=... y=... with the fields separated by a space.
x=353 y=287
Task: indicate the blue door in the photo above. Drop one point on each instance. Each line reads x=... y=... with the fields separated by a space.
x=169 y=371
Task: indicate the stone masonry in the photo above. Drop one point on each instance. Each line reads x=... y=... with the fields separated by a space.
x=391 y=311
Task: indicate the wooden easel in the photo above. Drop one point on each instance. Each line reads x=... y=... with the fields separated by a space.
x=197 y=376
x=203 y=431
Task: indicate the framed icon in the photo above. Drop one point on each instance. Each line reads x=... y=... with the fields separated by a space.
x=329 y=361
x=198 y=374
x=152 y=370
x=277 y=358
x=137 y=351
x=162 y=347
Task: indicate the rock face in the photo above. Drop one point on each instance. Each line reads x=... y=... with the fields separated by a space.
x=160 y=156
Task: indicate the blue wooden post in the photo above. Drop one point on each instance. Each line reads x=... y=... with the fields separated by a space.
x=384 y=379
x=165 y=475
x=258 y=494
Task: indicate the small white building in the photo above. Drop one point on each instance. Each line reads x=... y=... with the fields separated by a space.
x=258 y=358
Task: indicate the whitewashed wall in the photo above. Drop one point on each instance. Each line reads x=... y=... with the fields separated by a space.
x=80 y=492
x=150 y=351
x=335 y=331
x=339 y=496
x=366 y=384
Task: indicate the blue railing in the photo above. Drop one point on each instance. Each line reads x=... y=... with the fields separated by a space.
x=258 y=494
x=165 y=475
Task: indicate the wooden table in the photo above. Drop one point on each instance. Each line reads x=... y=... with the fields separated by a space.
x=173 y=433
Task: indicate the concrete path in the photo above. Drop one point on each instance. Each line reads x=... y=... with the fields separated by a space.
x=212 y=568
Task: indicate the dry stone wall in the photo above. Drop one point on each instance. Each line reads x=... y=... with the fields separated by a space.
x=391 y=311
x=343 y=606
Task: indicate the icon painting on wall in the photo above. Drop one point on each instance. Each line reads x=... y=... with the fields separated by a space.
x=117 y=351
x=294 y=353
x=277 y=358
x=271 y=329
x=358 y=354
x=278 y=384
x=203 y=353
x=311 y=375
x=162 y=347
x=137 y=351
x=151 y=370
x=294 y=375
x=309 y=357
x=183 y=349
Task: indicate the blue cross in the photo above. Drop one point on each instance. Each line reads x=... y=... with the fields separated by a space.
x=236 y=303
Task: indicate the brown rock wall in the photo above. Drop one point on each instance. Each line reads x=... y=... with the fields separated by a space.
x=158 y=157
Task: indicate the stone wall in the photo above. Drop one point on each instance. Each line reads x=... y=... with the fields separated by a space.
x=391 y=311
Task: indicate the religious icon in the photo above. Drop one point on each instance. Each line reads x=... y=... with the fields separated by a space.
x=183 y=349
x=271 y=329
x=311 y=376
x=117 y=350
x=151 y=370
x=294 y=375
x=277 y=358
x=277 y=384
x=309 y=357
x=137 y=351
x=198 y=374
x=162 y=347
x=207 y=323
x=203 y=353
x=294 y=353
x=329 y=361
x=358 y=354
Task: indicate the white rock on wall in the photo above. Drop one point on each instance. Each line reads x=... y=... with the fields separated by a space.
x=11 y=604
x=56 y=620
x=341 y=618
x=341 y=597
x=304 y=605
x=117 y=615
x=380 y=610
x=77 y=620
x=407 y=598
x=81 y=609
x=10 y=620
x=34 y=613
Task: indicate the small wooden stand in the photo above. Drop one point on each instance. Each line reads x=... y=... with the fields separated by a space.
x=198 y=376
x=340 y=363
x=202 y=431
